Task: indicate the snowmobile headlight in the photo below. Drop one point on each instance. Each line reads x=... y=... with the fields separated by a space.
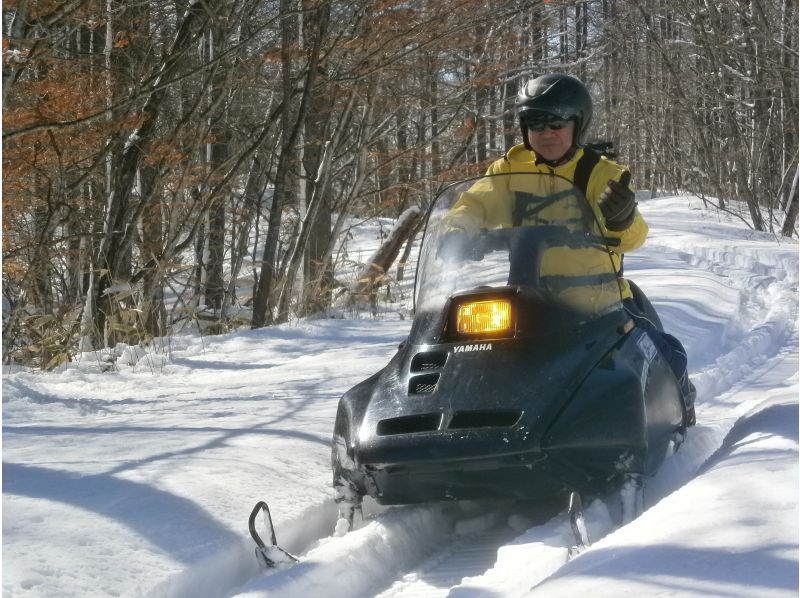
x=484 y=317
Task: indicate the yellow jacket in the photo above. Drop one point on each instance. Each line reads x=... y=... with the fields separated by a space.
x=494 y=210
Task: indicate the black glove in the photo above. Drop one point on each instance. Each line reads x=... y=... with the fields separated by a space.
x=618 y=204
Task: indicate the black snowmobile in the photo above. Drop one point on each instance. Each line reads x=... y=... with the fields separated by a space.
x=522 y=376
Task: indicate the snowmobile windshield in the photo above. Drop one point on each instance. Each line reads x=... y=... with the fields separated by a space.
x=518 y=229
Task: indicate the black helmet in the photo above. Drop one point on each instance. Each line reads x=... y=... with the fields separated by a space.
x=556 y=95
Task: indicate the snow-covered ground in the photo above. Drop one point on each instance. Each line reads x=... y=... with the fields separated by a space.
x=139 y=481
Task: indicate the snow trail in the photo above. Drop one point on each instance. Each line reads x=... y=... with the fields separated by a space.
x=139 y=481
x=764 y=288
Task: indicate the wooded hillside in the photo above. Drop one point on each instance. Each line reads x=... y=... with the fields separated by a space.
x=176 y=148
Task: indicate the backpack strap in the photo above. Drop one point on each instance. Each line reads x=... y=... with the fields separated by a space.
x=583 y=170
x=584 y=167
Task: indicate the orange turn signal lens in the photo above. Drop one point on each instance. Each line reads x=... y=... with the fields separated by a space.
x=484 y=317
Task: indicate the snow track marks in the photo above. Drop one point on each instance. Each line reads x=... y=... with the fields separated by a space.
x=482 y=553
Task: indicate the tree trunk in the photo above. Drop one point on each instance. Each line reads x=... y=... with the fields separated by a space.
x=217 y=154
x=262 y=311
x=122 y=210
x=253 y=191
x=374 y=272
x=787 y=230
x=154 y=314
x=317 y=198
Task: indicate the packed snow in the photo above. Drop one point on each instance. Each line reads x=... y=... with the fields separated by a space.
x=137 y=478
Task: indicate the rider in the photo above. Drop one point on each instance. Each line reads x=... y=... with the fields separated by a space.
x=554 y=113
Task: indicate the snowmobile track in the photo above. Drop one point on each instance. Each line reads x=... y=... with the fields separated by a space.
x=431 y=550
x=467 y=555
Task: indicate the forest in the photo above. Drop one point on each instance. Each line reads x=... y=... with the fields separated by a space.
x=174 y=163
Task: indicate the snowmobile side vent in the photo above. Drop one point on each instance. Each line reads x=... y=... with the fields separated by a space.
x=484 y=419
x=423 y=385
x=432 y=360
x=409 y=424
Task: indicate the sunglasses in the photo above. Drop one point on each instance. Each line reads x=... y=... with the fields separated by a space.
x=541 y=125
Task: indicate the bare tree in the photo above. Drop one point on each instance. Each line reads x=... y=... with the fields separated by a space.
x=136 y=132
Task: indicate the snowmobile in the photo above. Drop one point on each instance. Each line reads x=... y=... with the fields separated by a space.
x=523 y=376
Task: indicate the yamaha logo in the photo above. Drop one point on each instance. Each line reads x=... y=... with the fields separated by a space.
x=470 y=348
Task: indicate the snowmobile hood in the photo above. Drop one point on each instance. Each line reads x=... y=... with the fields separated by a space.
x=507 y=392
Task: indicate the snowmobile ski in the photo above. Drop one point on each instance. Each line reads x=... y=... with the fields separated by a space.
x=577 y=522
x=271 y=556
x=348 y=501
x=632 y=497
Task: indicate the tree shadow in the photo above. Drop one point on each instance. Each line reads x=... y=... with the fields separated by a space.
x=83 y=405
x=174 y=524
x=678 y=568
x=223 y=435
x=777 y=420
x=207 y=364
